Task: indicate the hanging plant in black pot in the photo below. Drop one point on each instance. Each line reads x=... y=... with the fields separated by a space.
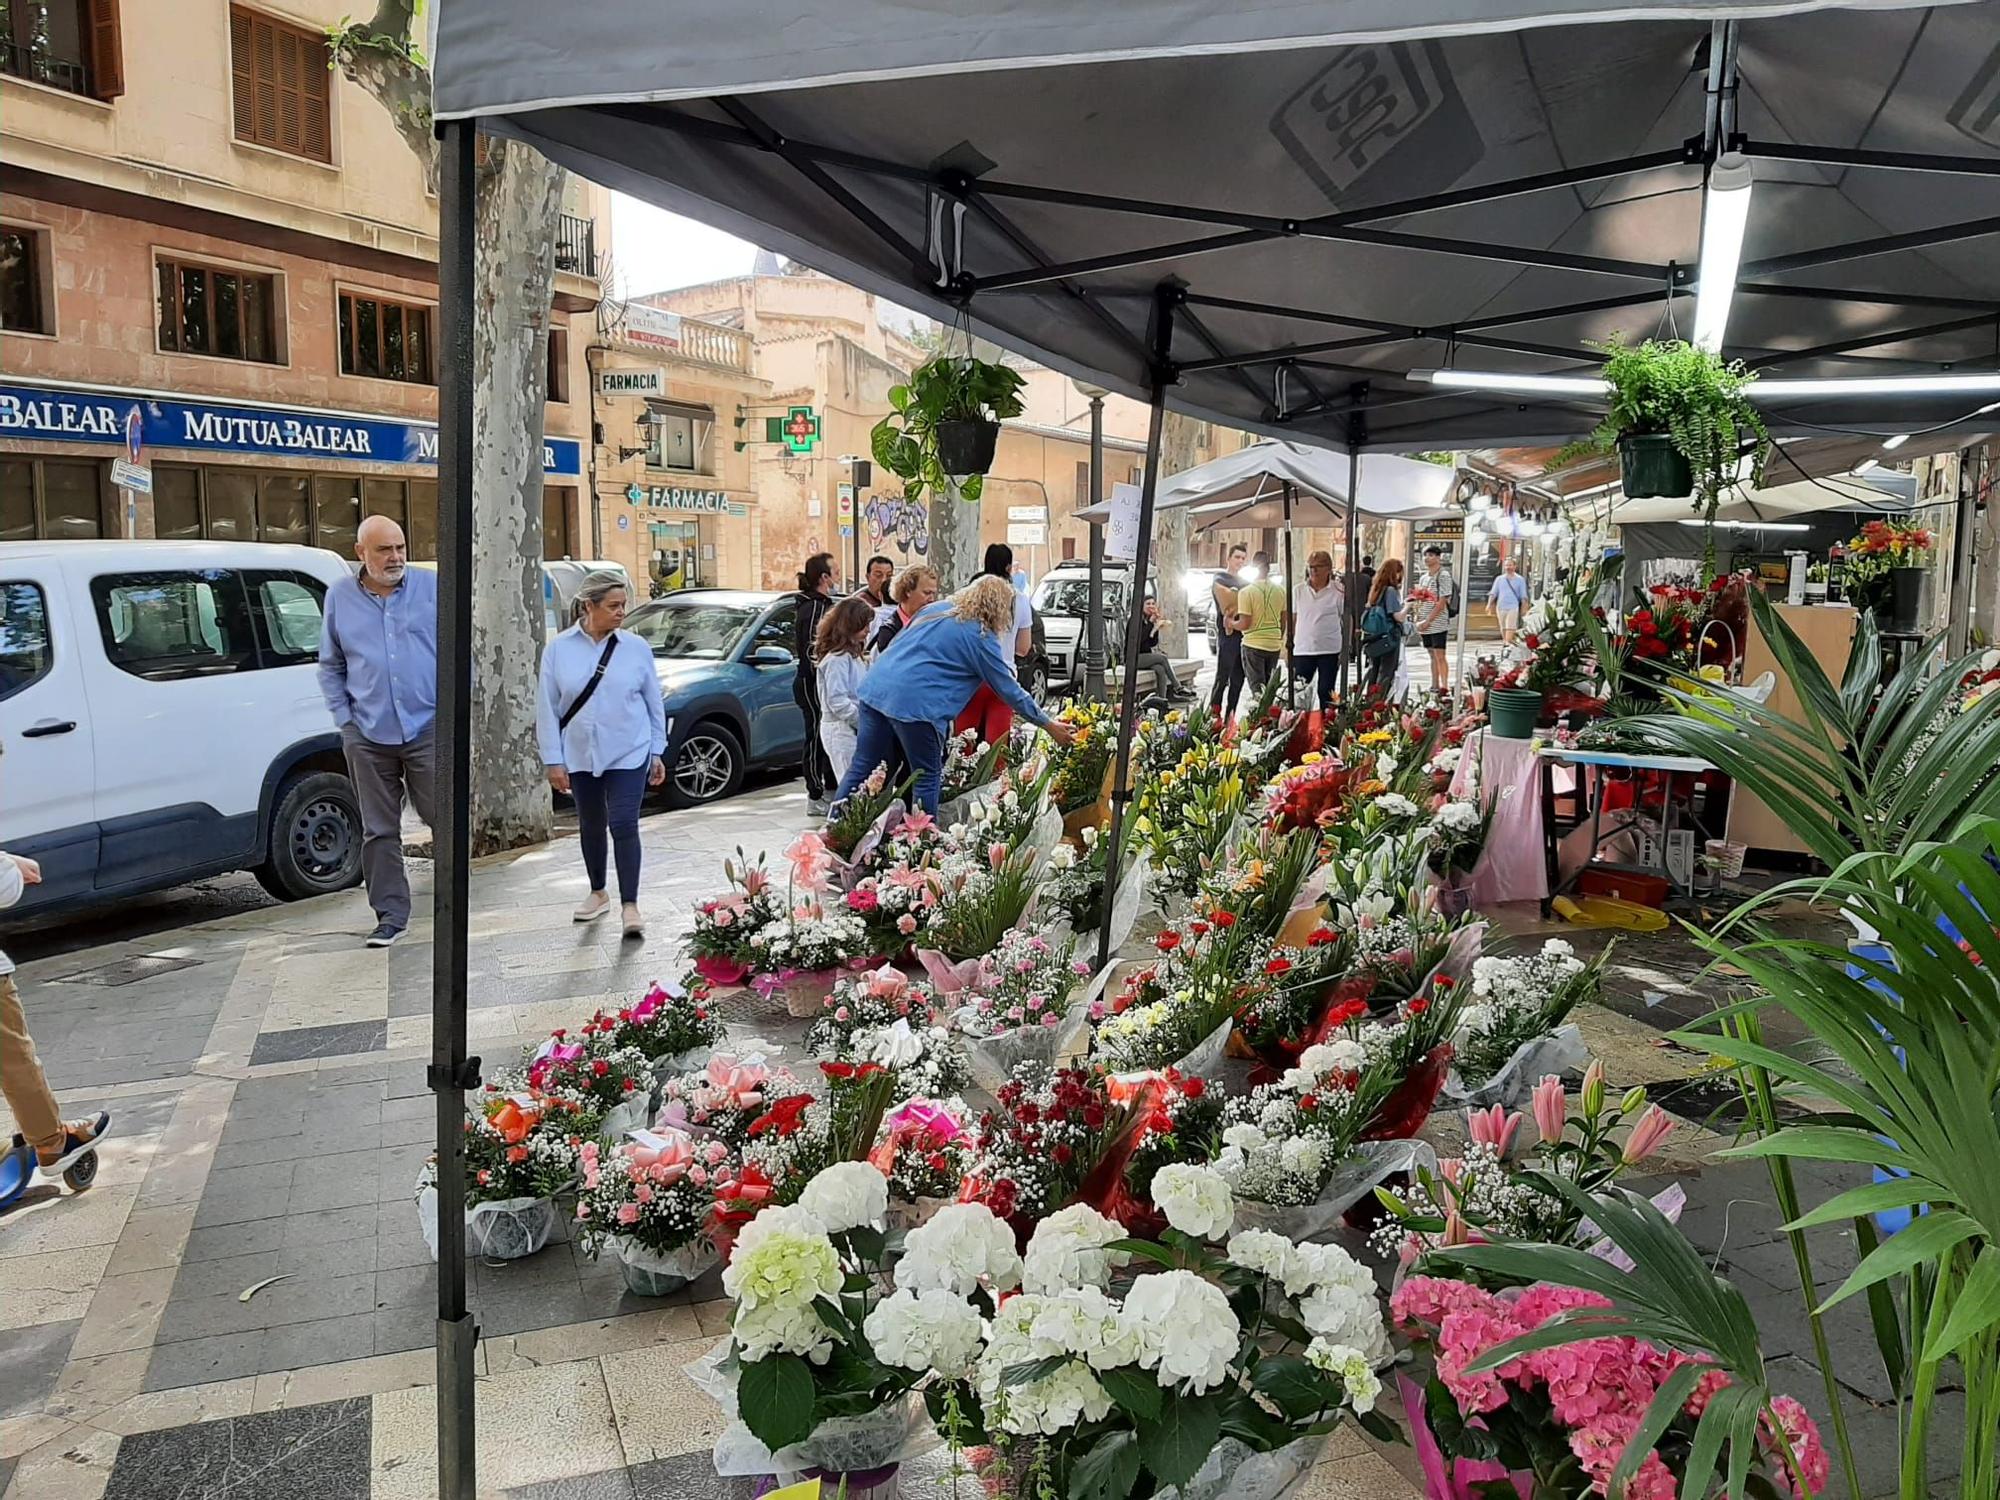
x=1681 y=423
x=945 y=424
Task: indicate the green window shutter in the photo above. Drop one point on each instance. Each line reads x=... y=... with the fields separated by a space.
x=774 y=429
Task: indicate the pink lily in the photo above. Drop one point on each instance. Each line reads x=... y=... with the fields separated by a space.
x=1653 y=1127
x=1493 y=1127
x=1550 y=1106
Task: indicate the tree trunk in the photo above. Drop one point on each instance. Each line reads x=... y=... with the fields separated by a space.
x=519 y=196
x=1178 y=440
x=955 y=550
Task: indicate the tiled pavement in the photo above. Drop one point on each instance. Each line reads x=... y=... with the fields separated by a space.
x=267 y=1077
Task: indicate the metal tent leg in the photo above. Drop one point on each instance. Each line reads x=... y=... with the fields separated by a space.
x=451 y=1072
x=1352 y=570
x=1161 y=336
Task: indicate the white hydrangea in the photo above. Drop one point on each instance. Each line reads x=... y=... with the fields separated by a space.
x=930 y=1330
x=847 y=1195
x=1344 y=1306
x=1353 y=1368
x=962 y=1247
x=1271 y=1254
x=783 y=1257
x=1195 y=1199
x=1068 y=1250
x=1184 y=1329
x=1056 y=1402
x=1085 y=1322
x=773 y=1328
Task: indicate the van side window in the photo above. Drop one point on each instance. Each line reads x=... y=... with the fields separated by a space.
x=25 y=653
x=168 y=626
x=289 y=606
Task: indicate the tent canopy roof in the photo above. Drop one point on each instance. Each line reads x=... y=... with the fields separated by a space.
x=1439 y=181
x=1246 y=488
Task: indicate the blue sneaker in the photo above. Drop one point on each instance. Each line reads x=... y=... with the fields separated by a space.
x=79 y=1136
x=384 y=934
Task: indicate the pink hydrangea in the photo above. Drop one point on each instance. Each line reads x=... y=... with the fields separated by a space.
x=1462 y=1338
x=1599 y=1446
x=1537 y=1304
x=1803 y=1436
x=1425 y=1300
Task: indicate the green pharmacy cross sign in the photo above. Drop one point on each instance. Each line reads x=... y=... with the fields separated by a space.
x=801 y=429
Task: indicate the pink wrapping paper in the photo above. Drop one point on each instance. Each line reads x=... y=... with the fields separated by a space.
x=1445 y=1478
x=1511 y=867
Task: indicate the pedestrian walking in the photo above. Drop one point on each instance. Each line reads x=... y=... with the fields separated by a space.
x=1260 y=616
x=55 y=1142
x=602 y=727
x=988 y=711
x=842 y=655
x=815 y=598
x=909 y=696
x=916 y=589
x=1223 y=588
x=1439 y=603
x=876 y=590
x=1319 y=608
x=1382 y=628
x=378 y=675
x=1509 y=597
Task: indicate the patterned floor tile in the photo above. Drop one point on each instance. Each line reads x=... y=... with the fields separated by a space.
x=321 y=1451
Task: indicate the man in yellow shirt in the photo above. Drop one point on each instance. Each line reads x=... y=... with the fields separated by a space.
x=1260 y=615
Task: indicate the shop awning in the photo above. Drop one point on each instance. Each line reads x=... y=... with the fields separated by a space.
x=1246 y=488
x=1341 y=193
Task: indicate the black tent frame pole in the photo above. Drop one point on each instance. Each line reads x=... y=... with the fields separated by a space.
x=1160 y=339
x=451 y=1072
x=1291 y=624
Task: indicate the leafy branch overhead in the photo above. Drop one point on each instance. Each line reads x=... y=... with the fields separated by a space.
x=943 y=391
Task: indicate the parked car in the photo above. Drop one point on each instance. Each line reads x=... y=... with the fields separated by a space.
x=561 y=578
x=162 y=720
x=1062 y=601
x=726 y=669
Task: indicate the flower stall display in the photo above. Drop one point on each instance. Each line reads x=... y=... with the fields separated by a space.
x=1191 y=814
x=1457 y=834
x=1219 y=1371
x=719 y=944
x=613 y=1085
x=1080 y=772
x=884 y=1017
x=725 y=1096
x=985 y=892
x=1028 y=1004
x=1183 y=1124
x=1558 y=1420
x=673 y=1025
x=651 y=1202
x=1288 y=1000
x=969 y=765
x=1884 y=571
x=523 y=1147
x=1514 y=1027
x=1049 y=1134
x=1072 y=895
x=1561 y=632
x=925 y=1149
x=803 y=950
x=869 y=808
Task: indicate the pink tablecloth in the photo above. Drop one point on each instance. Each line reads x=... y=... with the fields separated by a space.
x=1512 y=867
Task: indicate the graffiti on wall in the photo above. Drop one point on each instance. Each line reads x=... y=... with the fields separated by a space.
x=899 y=522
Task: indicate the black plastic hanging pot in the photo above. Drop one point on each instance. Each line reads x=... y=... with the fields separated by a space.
x=1653 y=468
x=1896 y=606
x=965 y=445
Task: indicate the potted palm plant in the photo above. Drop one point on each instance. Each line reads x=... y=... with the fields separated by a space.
x=945 y=423
x=1679 y=420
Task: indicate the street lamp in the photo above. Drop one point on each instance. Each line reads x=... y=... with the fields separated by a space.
x=1093 y=621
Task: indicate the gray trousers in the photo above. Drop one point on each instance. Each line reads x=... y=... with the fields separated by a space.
x=382 y=774
x=1257 y=668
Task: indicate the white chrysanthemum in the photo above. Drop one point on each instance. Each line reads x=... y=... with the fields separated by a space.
x=1184 y=1329
x=930 y=1330
x=847 y=1195
x=1195 y=1199
x=1068 y=1251
x=774 y=1328
x=1341 y=1055
x=783 y=1257
x=1084 y=1322
x=1303 y=1154
x=1396 y=805
x=962 y=1247
x=1352 y=1366
x=1459 y=817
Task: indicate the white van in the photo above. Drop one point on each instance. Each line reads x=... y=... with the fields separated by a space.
x=161 y=719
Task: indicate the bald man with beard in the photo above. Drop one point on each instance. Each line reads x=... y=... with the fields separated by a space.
x=378 y=672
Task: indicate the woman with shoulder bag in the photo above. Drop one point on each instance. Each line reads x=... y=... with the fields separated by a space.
x=1382 y=628
x=602 y=727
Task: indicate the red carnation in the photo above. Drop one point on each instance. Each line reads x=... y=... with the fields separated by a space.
x=1223 y=918
x=1278 y=966
x=1194 y=1088
x=1167 y=941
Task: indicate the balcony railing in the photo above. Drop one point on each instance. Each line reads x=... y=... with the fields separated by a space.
x=715 y=344
x=576 y=245
x=57 y=72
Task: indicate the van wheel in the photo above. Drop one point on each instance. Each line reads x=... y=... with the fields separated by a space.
x=315 y=838
x=708 y=765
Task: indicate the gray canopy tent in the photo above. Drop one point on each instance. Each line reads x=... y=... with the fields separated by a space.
x=1266 y=214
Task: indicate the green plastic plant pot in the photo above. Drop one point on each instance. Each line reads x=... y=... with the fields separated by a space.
x=1512 y=712
x=1653 y=468
x=966 y=445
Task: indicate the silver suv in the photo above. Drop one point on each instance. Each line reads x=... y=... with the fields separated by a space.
x=1062 y=600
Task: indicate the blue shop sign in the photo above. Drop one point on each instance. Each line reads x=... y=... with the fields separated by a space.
x=75 y=416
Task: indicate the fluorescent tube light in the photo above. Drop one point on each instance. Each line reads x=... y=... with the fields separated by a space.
x=1875 y=385
x=1527 y=385
x=1725 y=214
x=1750 y=525
x=1864 y=466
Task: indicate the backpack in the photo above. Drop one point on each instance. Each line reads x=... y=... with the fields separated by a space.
x=1378 y=631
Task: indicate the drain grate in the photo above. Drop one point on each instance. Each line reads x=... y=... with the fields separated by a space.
x=128 y=970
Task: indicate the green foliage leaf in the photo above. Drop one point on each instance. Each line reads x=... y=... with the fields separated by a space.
x=1108 y=1469
x=1883 y=1318
x=1299 y=1388
x=1029 y=1371
x=1975 y=1309
x=775 y=1396
x=1175 y=1446
x=1927 y=1239
x=1136 y=1391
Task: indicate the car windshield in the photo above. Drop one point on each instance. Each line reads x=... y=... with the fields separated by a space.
x=706 y=632
x=1071 y=596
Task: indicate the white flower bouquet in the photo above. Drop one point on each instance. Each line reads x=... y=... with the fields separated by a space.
x=883 y=1017
x=1512 y=1028
x=1024 y=1007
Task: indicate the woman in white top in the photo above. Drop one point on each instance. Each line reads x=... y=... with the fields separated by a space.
x=841 y=651
x=602 y=726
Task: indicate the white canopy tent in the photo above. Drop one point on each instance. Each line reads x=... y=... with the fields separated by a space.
x=1247 y=488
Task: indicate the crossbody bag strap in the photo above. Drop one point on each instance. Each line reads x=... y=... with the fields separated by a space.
x=610 y=645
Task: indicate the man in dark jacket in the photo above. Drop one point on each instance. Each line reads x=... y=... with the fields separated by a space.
x=815 y=598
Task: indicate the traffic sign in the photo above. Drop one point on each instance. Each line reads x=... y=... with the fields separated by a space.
x=1027 y=534
x=130 y=476
x=1027 y=513
x=844 y=506
x=135 y=429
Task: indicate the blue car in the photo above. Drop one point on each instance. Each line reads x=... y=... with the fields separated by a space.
x=726 y=669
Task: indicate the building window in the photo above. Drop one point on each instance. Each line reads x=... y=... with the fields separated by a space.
x=66 y=44
x=216 y=311
x=677 y=436
x=558 y=500
x=559 y=366
x=24 y=280
x=385 y=340
x=25 y=657
x=281 y=85
x=52 y=499
x=320 y=510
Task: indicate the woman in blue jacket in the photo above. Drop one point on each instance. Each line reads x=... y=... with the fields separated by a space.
x=928 y=673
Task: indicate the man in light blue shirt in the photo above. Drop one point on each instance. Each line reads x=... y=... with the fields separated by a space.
x=1509 y=597
x=378 y=673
